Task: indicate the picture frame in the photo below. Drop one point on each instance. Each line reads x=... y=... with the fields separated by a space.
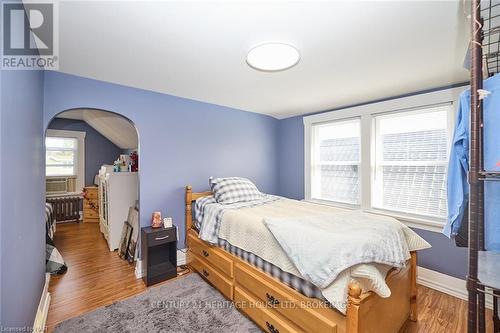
x=133 y=220
x=125 y=240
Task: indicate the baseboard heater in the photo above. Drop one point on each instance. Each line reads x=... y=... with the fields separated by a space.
x=66 y=209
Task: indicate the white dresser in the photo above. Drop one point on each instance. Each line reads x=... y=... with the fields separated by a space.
x=117 y=192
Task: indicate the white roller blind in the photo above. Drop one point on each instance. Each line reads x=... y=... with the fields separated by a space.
x=411 y=154
x=335 y=161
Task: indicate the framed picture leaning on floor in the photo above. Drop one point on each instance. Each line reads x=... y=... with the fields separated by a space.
x=125 y=240
x=133 y=219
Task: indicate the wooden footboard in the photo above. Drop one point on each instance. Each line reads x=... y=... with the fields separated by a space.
x=275 y=307
x=368 y=312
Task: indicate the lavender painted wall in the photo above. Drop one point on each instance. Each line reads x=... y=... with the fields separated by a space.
x=181 y=141
x=443 y=257
x=98 y=149
x=291 y=158
x=22 y=239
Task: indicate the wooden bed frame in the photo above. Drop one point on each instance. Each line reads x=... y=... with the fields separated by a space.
x=277 y=308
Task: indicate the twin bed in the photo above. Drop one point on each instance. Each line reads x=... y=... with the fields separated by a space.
x=287 y=280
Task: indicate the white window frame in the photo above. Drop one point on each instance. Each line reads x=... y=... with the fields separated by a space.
x=313 y=152
x=366 y=113
x=80 y=158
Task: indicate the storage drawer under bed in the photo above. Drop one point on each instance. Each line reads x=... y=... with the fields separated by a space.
x=284 y=301
x=268 y=319
x=213 y=255
x=224 y=285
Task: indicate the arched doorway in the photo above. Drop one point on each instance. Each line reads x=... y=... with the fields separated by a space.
x=92 y=188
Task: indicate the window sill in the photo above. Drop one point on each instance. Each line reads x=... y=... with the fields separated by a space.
x=63 y=194
x=334 y=204
x=423 y=223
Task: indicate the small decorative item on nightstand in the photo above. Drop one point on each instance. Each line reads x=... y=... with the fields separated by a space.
x=167 y=222
x=159 y=254
x=156 y=220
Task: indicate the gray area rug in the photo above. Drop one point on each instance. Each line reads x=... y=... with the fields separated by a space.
x=187 y=304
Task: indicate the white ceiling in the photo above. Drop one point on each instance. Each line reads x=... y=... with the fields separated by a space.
x=351 y=51
x=115 y=128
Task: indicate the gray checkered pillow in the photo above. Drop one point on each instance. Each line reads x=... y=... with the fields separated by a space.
x=234 y=189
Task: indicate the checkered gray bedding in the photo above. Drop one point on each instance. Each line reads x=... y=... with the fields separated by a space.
x=50 y=221
x=230 y=190
x=209 y=214
x=199 y=209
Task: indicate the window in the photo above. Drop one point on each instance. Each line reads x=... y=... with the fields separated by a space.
x=411 y=154
x=60 y=156
x=389 y=157
x=65 y=156
x=335 y=172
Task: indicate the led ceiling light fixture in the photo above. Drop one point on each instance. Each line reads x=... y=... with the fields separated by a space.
x=273 y=57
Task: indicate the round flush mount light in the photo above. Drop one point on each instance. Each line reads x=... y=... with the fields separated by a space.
x=273 y=57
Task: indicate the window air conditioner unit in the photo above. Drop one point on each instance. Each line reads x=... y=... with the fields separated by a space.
x=56 y=185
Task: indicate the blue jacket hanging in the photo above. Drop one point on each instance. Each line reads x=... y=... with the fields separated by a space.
x=458 y=165
x=458 y=186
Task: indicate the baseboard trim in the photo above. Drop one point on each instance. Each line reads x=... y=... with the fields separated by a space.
x=181 y=257
x=138 y=269
x=446 y=284
x=40 y=322
x=181 y=260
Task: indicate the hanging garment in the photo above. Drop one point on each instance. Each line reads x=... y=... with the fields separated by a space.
x=492 y=213
x=458 y=186
x=462 y=236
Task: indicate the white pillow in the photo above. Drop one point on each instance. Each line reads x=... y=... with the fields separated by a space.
x=234 y=189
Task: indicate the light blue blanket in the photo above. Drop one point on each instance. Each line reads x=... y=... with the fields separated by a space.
x=321 y=247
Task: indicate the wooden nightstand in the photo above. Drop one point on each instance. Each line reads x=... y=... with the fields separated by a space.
x=159 y=254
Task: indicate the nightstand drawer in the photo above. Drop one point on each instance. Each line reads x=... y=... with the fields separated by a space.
x=162 y=237
x=90 y=204
x=90 y=214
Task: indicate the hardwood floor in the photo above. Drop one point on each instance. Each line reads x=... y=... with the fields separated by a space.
x=439 y=312
x=97 y=277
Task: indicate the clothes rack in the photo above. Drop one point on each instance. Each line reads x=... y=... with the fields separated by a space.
x=484 y=266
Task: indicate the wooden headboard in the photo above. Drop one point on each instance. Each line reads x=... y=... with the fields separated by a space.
x=190 y=197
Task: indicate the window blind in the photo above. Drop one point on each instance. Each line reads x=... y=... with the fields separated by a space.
x=411 y=150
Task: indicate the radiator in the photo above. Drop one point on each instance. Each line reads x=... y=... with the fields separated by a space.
x=66 y=208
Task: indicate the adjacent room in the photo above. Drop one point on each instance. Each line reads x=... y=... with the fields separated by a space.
x=92 y=187
x=248 y=166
